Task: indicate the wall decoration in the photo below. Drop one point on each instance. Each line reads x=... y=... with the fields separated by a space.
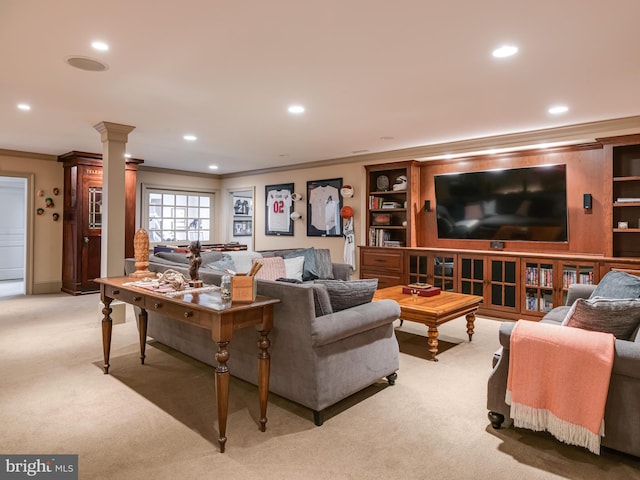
x=56 y=216
x=278 y=209
x=56 y=191
x=242 y=228
x=49 y=202
x=243 y=206
x=323 y=208
x=40 y=211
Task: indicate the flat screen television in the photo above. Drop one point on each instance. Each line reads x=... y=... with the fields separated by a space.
x=528 y=204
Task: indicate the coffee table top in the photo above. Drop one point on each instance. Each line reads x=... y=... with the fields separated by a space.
x=443 y=305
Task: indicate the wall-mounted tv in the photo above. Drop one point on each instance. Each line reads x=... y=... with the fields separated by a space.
x=528 y=204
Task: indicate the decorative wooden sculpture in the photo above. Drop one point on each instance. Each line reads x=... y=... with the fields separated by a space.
x=195 y=260
x=141 y=254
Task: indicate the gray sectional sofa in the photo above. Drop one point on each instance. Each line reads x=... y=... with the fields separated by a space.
x=316 y=360
x=622 y=411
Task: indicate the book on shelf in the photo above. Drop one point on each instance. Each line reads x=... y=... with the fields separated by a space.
x=392 y=243
x=391 y=205
x=379 y=237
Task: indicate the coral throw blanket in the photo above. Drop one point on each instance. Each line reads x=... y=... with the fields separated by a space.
x=558 y=381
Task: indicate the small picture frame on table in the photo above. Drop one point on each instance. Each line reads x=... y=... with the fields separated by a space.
x=278 y=209
x=323 y=208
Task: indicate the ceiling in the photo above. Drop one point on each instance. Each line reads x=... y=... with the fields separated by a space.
x=373 y=75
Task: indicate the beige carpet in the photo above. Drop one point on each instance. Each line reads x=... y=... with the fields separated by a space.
x=158 y=420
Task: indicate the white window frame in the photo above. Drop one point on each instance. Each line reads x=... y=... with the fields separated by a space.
x=181 y=214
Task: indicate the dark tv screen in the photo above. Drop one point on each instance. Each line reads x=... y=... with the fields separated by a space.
x=528 y=204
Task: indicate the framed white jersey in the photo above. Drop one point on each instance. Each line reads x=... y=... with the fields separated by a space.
x=278 y=209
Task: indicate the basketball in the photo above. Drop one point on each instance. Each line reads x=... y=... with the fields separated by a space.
x=346 y=212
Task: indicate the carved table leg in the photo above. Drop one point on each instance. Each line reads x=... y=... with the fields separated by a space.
x=142 y=331
x=433 y=342
x=222 y=392
x=107 y=324
x=264 y=364
x=471 y=317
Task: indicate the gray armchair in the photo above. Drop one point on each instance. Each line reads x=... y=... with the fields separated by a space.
x=622 y=411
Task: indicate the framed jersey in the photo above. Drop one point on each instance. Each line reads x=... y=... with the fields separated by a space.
x=278 y=209
x=323 y=208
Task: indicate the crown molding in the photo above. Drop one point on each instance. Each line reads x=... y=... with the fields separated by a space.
x=32 y=155
x=573 y=134
x=171 y=171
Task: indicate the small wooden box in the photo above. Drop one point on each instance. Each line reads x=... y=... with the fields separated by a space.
x=243 y=288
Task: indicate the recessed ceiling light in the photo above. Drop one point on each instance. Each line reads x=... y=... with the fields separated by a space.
x=127 y=155
x=297 y=109
x=24 y=106
x=98 y=45
x=558 y=109
x=213 y=167
x=190 y=137
x=505 y=51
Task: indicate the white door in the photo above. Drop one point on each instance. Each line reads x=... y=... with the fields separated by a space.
x=12 y=227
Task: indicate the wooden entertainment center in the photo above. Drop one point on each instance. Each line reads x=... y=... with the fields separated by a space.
x=517 y=279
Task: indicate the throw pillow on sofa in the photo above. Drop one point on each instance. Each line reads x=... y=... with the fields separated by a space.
x=294 y=267
x=345 y=294
x=321 y=300
x=610 y=315
x=617 y=285
x=226 y=262
x=207 y=257
x=309 y=271
x=272 y=268
x=323 y=263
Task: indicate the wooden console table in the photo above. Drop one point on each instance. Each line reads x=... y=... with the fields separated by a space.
x=204 y=310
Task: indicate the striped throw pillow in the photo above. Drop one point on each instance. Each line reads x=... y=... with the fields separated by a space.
x=272 y=268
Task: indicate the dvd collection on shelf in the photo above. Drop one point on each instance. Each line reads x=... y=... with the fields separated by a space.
x=540 y=277
x=542 y=304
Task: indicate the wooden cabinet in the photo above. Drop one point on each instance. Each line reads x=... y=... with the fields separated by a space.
x=502 y=290
x=623 y=154
x=385 y=264
x=82 y=219
x=435 y=268
x=392 y=193
x=494 y=278
x=546 y=282
x=512 y=285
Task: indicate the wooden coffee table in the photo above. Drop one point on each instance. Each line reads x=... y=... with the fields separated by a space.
x=433 y=311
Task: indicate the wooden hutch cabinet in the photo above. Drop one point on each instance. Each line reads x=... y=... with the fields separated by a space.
x=623 y=154
x=392 y=195
x=82 y=219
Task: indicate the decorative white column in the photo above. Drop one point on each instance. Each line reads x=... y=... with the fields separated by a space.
x=114 y=140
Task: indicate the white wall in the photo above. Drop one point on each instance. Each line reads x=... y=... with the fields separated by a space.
x=46 y=262
x=351 y=173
